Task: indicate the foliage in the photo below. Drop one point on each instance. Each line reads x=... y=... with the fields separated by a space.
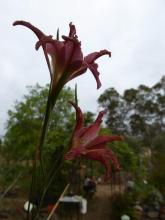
x=121 y=204
x=126 y=153
x=138 y=112
x=139 y=115
x=112 y=102
x=23 y=127
x=127 y=157
x=158 y=165
x=24 y=123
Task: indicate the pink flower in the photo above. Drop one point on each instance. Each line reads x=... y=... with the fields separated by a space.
x=87 y=143
x=67 y=60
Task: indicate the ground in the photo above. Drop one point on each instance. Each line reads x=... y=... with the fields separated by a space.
x=98 y=206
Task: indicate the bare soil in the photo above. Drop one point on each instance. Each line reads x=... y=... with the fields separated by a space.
x=99 y=205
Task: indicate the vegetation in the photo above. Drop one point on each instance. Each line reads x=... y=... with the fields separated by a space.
x=138 y=114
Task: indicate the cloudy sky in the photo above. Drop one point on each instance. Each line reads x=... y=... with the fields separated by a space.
x=133 y=30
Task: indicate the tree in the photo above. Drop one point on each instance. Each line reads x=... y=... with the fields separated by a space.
x=23 y=129
x=24 y=123
x=88 y=118
x=138 y=113
x=112 y=102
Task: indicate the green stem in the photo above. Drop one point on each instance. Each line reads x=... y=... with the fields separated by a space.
x=51 y=101
x=46 y=189
x=38 y=151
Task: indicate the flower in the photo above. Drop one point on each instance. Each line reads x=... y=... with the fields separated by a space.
x=67 y=60
x=87 y=143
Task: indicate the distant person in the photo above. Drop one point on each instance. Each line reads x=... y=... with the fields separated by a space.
x=89 y=185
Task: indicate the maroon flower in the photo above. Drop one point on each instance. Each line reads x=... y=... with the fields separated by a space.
x=87 y=143
x=67 y=60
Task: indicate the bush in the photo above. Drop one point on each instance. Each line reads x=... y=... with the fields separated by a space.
x=122 y=204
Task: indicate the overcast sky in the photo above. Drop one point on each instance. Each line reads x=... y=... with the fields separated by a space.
x=133 y=30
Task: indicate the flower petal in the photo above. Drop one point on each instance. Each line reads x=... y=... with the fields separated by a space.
x=100 y=141
x=93 y=68
x=74 y=153
x=79 y=117
x=89 y=60
x=72 y=32
x=73 y=56
x=99 y=117
x=113 y=158
x=91 y=132
x=39 y=34
x=37 y=31
x=93 y=56
x=101 y=156
x=66 y=55
x=78 y=72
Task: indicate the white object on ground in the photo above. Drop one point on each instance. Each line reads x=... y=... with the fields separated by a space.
x=76 y=199
x=28 y=206
x=125 y=217
x=83 y=209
